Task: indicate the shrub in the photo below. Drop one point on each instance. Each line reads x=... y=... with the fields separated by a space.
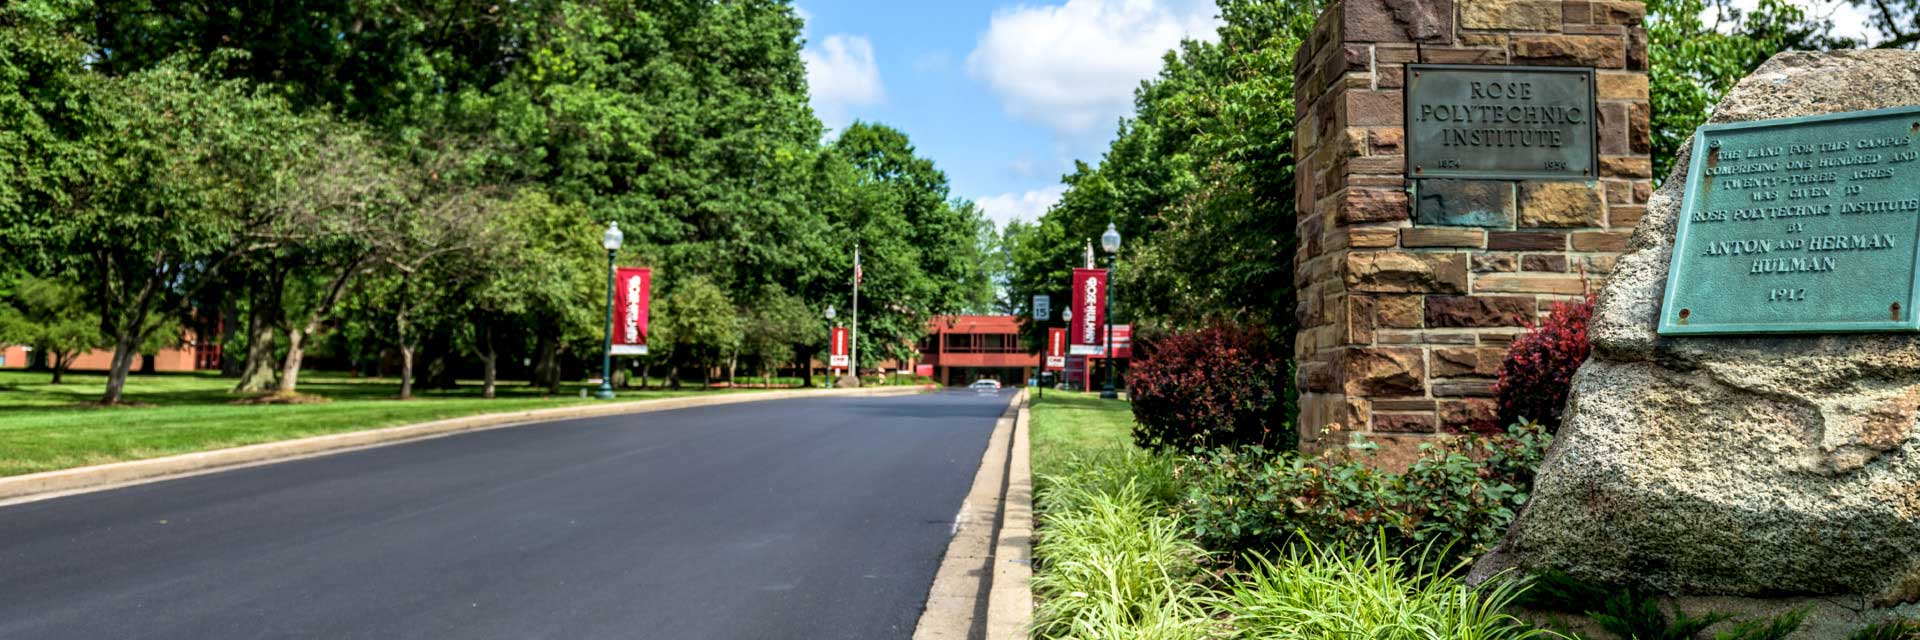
x=1538 y=370
x=1459 y=496
x=1115 y=565
x=1222 y=385
x=1368 y=592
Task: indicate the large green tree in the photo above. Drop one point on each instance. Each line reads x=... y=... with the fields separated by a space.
x=158 y=208
x=918 y=246
x=1198 y=181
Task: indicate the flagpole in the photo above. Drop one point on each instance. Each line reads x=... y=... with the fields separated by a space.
x=853 y=340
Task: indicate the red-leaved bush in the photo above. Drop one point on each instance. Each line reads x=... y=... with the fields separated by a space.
x=1538 y=370
x=1222 y=385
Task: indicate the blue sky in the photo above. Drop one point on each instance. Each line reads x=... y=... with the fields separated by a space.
x=1002 y=94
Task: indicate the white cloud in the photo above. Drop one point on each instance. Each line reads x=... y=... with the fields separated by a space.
x=1073 y=67
x=1020 y=206
x=841 y=74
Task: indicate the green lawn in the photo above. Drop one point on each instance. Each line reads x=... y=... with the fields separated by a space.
x=45 y=427
x=1066 y=422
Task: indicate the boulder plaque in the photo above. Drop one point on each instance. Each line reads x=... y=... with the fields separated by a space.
x=1807 y=224
x=1759 y=471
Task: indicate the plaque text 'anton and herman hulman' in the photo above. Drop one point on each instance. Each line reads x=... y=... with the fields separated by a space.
x=1481 y=122
x=1799 y=225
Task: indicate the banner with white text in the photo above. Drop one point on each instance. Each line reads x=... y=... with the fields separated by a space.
x=1087 y=336
x=632 y=288
x=1056 y=348
x=837 y=353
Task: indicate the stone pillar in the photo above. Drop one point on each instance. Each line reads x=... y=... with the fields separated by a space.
x=1406 y=308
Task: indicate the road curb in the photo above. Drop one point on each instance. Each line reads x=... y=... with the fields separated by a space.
x=1010 y=602
x=981 y=589
x=53 y=484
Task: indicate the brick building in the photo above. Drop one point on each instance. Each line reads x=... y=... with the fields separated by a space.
x=1412 y=287
x=963 y=349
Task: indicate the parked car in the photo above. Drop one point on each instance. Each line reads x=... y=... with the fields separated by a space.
x=985 y=385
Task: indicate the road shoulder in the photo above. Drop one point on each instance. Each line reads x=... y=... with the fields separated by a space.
x=981 y=589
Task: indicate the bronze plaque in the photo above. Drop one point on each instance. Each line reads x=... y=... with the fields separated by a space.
x=1486 y=122
x=1799 y=225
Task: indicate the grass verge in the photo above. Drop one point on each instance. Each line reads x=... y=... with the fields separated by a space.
x=1114 y=558
x=44 y=427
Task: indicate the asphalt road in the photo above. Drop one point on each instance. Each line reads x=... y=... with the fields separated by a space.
x=813 y=518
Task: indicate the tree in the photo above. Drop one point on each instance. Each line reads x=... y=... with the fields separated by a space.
x=1897 y=21
x=1199 y=182
x=703 y=323
x=919 y=250
x=1691 y=63
x=153 y=219
x=777 y=323
x=54 y=318
x=542 y=272
x=443 y=222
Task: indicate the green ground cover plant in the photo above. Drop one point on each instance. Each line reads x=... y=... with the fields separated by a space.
x=1118 y=565
x=44 y=427
x=1459 y=495
x=1367 y=591
x=1248 y=544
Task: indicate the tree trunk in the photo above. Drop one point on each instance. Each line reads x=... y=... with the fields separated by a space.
x=806 y=362
x=645 y=367
x=296 y=351
x=296 y=336
x=546 y=366
x=490 y=358
x=123 y=354
x=403 y=340
x=673 y=377
x=61 y=362
x=257 y=374
x=733 y=364
x=406 y=372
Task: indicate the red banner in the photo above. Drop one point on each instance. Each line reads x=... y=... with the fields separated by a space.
x=1088 y=336
x=1056 y=348
x=632 y=288
x=923 y=370
x=837 y=351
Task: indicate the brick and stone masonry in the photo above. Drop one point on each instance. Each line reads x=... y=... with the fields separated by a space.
x=1403 y=324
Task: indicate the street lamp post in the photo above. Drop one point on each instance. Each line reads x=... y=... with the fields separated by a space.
x=1110 y=241
x=611 y=240
x=831 y=324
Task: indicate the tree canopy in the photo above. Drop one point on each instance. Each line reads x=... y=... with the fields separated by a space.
x=425 y=181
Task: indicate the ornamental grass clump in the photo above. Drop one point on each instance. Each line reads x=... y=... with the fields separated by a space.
x=1097 y=471
x=1115 y=565
x=1337 y=592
